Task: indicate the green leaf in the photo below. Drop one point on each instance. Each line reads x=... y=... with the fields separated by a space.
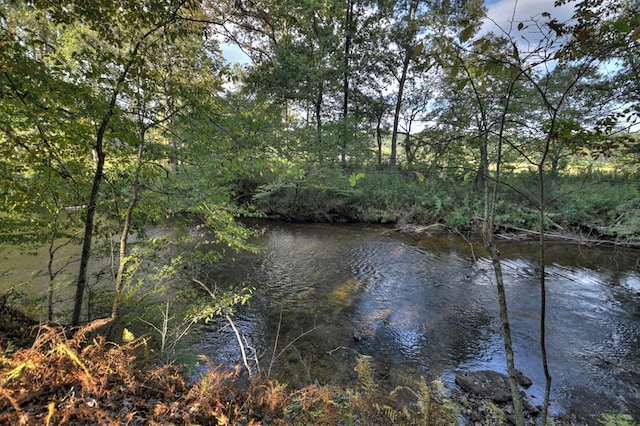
x=418 y=49
x=622 y=26
x=354 y=178
x=462 y=84
x=467 y=33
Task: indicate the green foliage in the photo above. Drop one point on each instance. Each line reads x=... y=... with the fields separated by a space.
x=426 y=404
x=495 y=415
x=413 y=197
x=416 y=403
x=354 y=178
x=627 y=222
x=513 y=214
x=144 y=80
x=169 y=326
x=604 y=203
x=366 y=383
x=307 y=194
x=219 y=304
x=78 y=78
x=432 y=406
x=386 y=197
x=223 y=229
x=608 y=419
x=43 y=147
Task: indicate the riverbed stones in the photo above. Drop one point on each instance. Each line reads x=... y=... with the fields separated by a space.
x=489 y=384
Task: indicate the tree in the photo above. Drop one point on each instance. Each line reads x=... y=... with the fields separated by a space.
x=496 y=73
x=415 y=50
x=312 y=57
x=573 y=72
x=540 y=88
x=609 y=32
x=120 y=55
x=410 y=49
x=44 y=161
x=293 y=46
x=94 y=62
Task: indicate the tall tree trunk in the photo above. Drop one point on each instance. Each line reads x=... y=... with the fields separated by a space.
x=483 y=171
x=318 y=117
x=91 y=212
x=543 y=294
x=408 y=148
x=396 y=115
x=98 y=175
x=379 y=141
x=542 y=264
x=378 y=110
x=345 y=80
x=52 y=273
x=408 y=56
x=100 y=156
x=173 y=138
x=116 y=308
x=490 y=198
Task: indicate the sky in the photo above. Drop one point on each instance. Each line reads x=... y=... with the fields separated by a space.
x=500 y=12
x=505 y=11
x=233 y=54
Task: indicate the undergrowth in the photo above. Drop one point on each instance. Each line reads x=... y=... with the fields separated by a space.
x=601 y=204
x=79 y=378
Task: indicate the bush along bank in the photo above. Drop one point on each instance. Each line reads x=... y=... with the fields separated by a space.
x=598 y=208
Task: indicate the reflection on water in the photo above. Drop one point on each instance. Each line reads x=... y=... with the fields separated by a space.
x=424 y=307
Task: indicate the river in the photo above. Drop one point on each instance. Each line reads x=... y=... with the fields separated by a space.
x=426 y=307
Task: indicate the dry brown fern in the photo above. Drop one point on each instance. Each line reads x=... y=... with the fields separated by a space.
x=61 y=380
x=274 y=396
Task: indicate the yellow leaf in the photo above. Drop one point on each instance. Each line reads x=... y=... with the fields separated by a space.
x=64 y=349
x=17 y=372
x=127 y=336
x=52 y=410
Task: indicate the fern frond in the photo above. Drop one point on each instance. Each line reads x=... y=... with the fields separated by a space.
x=81 y=335
x=389 y=412
x=63 y=349
x=366 y=382
x=18 y=371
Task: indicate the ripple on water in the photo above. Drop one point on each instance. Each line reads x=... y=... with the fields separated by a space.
x=432 y=313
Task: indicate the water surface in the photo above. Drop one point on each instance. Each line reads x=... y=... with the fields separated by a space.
x=426 y=307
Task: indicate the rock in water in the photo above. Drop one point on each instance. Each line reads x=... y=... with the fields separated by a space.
x=524 y=381
x=489 y=384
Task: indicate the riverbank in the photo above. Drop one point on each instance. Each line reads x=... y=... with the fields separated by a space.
x=590 y=208
x=78 y=378
x=510 y=233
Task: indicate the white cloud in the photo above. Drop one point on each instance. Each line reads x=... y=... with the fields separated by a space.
x=504 y=15
x=233 y=54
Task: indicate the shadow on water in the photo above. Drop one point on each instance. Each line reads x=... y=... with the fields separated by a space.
x=423 y=307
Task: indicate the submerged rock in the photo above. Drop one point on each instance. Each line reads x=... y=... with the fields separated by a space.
x=364 y=332
x=489 y=384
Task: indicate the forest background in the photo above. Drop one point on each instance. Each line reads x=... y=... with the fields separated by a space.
x=118 y=115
